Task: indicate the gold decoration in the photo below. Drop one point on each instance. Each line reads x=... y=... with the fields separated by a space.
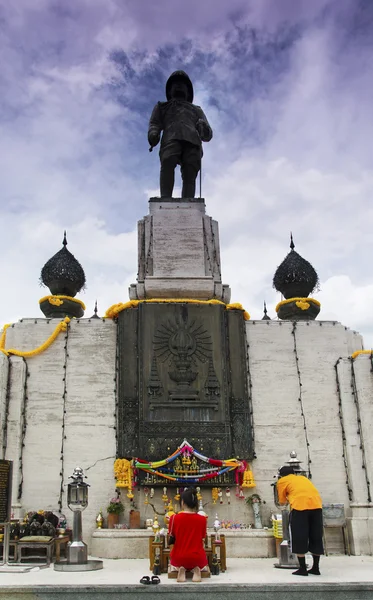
x=302 y=303
x=358 y=352
x=99 y=520
x=215 y=494
x=58 y=300
x=123 y=475
x=248 y=478
x=155 y=525
x=115 y=309
x=170 y=512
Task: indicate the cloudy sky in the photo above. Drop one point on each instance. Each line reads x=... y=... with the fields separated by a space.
x=287 y=88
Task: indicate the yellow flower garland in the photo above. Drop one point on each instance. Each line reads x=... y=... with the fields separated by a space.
x=300 y=302
x=357 y=352
x=3 y=337
x=302 y=305
x=62 y=326
x=58 y=300
x=115 y=309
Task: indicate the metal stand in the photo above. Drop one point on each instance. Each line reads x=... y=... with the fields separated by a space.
x=287 y=559
x=77 y=551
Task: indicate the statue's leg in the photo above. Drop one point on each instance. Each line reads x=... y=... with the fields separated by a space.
x=170 y=157
x=190 y=166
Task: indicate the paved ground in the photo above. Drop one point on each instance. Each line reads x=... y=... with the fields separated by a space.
x=334 y=569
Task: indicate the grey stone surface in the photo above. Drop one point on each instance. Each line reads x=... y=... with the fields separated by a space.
x=343 y=578
x=178 y=252
x=135 y=543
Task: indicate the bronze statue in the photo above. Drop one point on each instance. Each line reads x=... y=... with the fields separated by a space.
x=184 y=127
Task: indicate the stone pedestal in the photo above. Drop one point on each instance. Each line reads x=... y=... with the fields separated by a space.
x=178 y=252
x=121 y=543
x=361 y=528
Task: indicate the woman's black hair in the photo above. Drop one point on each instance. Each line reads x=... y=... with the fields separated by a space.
x=286 y=470
x=189 y=497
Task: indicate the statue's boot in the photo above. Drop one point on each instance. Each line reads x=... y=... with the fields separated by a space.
x=167 y=177
x=189 y=175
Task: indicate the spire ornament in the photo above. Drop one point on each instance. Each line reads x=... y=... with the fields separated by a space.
x=265 y=316
x=64 y=276
x=296 y=278
x=95 y=315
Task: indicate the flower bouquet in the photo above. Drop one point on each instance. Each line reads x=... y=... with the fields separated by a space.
x=114 y=509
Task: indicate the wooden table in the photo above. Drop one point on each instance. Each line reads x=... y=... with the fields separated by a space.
x=28 y=542
x=58 y=542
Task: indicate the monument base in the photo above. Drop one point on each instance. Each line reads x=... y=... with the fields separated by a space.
x=178 y=252
x=90 y=565
x=134 y=543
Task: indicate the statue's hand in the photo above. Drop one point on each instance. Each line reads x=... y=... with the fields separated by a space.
x=153 y=138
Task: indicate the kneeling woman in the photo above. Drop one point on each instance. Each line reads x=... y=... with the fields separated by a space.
x=189 y=531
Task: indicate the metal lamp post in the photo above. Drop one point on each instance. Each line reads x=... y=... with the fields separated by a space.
x=77 y=501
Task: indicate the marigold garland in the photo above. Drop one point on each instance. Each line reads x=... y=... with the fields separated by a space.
x=302 y=305
x=62 y=326
x=300 y=302
x=58 y=300
x=3 y=338
x=357 y=352
x=115 y=309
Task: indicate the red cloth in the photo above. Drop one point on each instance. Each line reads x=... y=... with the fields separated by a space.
x=189 y=530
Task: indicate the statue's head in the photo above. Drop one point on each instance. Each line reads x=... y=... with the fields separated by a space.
x=179 y=86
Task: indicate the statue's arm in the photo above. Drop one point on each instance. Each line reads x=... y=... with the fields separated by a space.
x=155 y=126
x=203 y=126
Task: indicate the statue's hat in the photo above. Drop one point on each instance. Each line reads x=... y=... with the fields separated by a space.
x=179 y=75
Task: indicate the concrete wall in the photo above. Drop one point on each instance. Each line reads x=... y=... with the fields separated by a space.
x=65 y=416
x=67 y=425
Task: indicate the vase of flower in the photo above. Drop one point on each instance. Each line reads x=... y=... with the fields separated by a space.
x=114 y=509
x=112 y=519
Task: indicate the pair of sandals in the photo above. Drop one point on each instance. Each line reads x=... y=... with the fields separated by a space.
x=147 y=581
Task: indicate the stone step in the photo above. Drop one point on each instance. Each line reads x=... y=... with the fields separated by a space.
x=190 y=591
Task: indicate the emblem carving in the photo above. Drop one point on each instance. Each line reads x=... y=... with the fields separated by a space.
x=183 y=344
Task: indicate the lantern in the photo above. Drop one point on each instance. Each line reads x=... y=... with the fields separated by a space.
x=77 y=501
x=77 y=491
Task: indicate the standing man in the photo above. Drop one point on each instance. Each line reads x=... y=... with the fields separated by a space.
x=184 y=127
x=306 y=527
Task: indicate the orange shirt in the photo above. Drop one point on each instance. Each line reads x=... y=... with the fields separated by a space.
x=299 y=492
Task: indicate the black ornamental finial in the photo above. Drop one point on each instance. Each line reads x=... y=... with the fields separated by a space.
x=95 y=315
x=295 y=277
x=265 y=316
x=62 y=273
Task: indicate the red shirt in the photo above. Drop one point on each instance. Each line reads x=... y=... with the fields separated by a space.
x=189 y=530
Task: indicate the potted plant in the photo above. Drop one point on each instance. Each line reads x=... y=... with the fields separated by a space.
x=134 y=517
x=255 y=501
x=114 y=509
